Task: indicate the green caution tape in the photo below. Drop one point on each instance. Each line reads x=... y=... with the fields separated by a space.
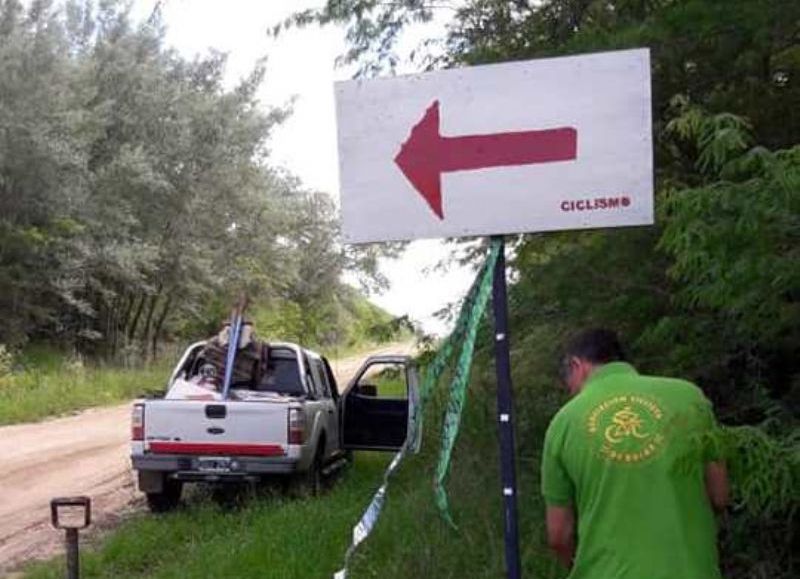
x=465 y=330
x=460 y=330
x=458 y=385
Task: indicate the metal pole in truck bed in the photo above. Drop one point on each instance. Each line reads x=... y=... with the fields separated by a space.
x=237 y=320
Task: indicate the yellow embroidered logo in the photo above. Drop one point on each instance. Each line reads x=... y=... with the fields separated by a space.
x=627 y=428
x=625 y=423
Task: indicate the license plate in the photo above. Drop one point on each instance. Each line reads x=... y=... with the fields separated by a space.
x=214 y=464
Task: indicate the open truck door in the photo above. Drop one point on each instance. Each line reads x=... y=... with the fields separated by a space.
x=379 y=405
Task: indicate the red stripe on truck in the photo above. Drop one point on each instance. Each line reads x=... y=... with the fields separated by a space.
x=230 y=449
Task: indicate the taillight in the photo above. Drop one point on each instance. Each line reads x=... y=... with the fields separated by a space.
x=137 y=422
x=297 y=426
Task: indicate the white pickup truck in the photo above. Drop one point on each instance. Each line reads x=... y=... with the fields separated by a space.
x=291 y=421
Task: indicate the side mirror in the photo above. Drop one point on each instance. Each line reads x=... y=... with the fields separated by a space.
x=367 y=390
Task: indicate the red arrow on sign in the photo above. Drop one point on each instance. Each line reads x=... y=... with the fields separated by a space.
x=427 y=154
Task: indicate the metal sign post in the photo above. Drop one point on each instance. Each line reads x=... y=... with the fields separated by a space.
x=505 y=414
x=73 y=556
x=71 y=514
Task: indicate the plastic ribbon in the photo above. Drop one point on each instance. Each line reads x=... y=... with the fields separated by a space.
x=465 y=330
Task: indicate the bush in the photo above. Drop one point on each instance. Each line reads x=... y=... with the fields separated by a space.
x=6 y=361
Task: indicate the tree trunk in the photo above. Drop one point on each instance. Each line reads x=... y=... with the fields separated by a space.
x=135 y=322
x=160 y=323
x=148 y=321
x=112 y=321
x=122 y=310
x=125 y=319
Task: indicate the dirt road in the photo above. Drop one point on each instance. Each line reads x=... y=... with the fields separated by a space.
x=85 y=454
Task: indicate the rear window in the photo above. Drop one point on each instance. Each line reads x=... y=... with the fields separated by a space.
x=282 y=374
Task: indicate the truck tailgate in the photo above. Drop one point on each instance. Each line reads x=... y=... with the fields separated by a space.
x=216 y=428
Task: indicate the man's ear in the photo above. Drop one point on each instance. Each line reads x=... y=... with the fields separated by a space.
x=581 y=370
x=586 y=368
x=576 y=377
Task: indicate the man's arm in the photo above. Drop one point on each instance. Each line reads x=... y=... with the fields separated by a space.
x=561 y=533
x=716 y=474
x=558 y=490
x=717 y=485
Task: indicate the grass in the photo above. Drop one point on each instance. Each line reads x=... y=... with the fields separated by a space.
x=389 y=383
x=268 y=537
x=281 y=539
x=273 y=537
x=412 y=540
x=46 y=383
x=288 y=539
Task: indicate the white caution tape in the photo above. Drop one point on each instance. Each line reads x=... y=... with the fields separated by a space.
x=370 y=517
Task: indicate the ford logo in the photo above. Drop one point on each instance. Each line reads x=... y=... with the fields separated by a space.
x=215 y=430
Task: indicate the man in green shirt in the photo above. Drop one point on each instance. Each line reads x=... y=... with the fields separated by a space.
x=627 y=459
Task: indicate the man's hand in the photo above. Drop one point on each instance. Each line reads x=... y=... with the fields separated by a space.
x=561 y=533
x=717 y=485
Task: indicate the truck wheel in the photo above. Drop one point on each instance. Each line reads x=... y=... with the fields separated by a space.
x=226 y=496
x=167 y=499
x=309 y=484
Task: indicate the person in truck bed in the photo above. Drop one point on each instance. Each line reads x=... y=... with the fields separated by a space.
x=251 y=357
x=258 y=367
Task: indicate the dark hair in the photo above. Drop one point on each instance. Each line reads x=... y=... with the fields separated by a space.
x=596 y=345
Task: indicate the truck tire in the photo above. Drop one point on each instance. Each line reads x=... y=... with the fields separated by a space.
x=227 y=496
x=166 y=500
x=309 y=483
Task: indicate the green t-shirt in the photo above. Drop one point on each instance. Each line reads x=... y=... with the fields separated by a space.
x=627 y=453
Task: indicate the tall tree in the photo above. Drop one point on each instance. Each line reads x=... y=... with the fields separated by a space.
x=712 y=291
x=135 y=186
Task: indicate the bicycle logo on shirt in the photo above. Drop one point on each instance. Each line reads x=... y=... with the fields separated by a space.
x=626 y=423
x=627 y=428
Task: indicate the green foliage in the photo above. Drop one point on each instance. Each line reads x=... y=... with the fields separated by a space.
x=766 y=468
x=760 y=533
x=279 y=320
x=136 y=196
x=736 y=246
x=50 y=383
x=412 y=539
x=712 y=292
x=6 y=361
x=119 y=145
x=373 y=28
x=42 y=381
x=344 y=322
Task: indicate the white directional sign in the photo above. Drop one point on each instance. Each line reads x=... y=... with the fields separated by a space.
x=542 y=145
